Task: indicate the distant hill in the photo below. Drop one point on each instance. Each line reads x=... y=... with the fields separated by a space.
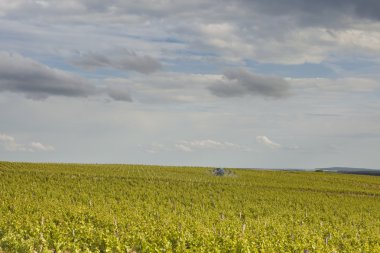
x=349 y=170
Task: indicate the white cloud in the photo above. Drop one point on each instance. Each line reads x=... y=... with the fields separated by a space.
x=10 y=144
x=194 y=145
x=38 y=146
x=183 y=147
x=189 y=146
x=6 y=138
x=267 y=142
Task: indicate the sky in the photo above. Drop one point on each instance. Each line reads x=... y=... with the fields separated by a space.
x=245 y=83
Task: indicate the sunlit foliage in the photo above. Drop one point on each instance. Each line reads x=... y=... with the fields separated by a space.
x=137 y=208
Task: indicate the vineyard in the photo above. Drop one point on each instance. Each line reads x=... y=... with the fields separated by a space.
x=137 y=208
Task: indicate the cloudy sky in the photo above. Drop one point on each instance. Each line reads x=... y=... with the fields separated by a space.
x=245 y=83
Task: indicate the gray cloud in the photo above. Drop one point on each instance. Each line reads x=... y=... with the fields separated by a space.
x=318 y=11
x=119 y=94
x=163 y=88
x=37 y=81
x=196 y=40
x=146 y=8
x=285 y=32
x=22 y=75
x=240 y=82
x=125 y=61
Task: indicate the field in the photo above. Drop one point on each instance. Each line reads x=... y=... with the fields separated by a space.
x=136 y=208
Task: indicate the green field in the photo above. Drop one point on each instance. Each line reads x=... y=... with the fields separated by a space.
x=137 y=208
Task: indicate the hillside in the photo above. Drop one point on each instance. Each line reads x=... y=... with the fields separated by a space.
x=137 y=208
x=349 y=170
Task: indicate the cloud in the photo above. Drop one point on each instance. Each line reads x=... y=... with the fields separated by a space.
x=348 y=84
x=6 y=138
x=368 y=9
x=36 y=81
x=160 y=9
x=80 y=8
x=125 y=61
x=38 y=146
x=10 y=144
x=183 y=147
x=309 y=31
x=189 y=146
x=163 y=88
x=240 y=82
x=154 y=148
x=23 y=75
x=194 y=145
x=267 y=142
x=118 y=93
